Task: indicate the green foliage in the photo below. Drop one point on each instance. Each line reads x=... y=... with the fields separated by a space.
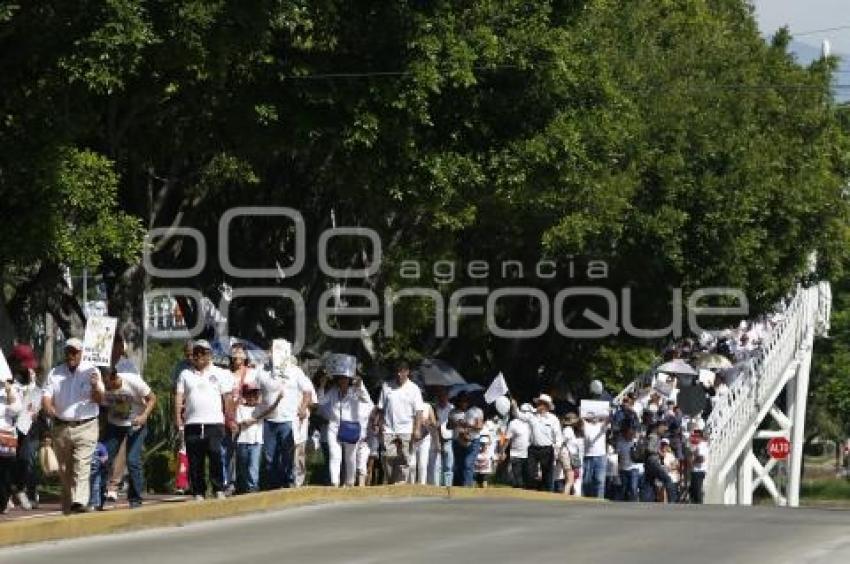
x=667 y=138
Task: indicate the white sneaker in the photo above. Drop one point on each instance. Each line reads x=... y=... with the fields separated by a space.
x=10 y=505
x=112 y=496
x=220 y=495
x=199 y=498
x=35 y=501
x=23 y=501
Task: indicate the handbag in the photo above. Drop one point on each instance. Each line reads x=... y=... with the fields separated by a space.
x=47 y=459
x=8 y=444
x=349 y=431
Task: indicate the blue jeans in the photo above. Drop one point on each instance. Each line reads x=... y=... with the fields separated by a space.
x=228 y=449
x=26 y=466
x=135 y=441
x=464 y=463
x=279 y=449
x=248 y=467
x=447 y=462
x=98 y=477
x=630 y=480
x=594 y=470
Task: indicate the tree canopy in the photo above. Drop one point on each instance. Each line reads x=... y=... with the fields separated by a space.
x=666 y=138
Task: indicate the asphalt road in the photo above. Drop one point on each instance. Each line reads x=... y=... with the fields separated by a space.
x=475 y=530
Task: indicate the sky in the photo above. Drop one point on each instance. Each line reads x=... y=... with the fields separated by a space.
x=807 y=15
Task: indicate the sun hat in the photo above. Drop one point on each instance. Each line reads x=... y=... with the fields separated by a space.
x=545 y=398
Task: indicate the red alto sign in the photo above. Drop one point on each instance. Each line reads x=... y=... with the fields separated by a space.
x=779 y=448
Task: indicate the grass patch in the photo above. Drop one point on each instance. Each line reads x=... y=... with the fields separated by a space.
x=825 y=489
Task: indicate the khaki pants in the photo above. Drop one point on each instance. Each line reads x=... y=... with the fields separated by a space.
x=396 y=457
x=119 y=466
x=74 y=449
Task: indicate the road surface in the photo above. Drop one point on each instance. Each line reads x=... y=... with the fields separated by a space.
x=444 y=531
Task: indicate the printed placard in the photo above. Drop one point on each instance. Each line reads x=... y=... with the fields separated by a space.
x=594 y=408
x=97 y=343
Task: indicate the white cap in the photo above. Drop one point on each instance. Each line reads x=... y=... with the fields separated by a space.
x=74 y=343
x=202 y=344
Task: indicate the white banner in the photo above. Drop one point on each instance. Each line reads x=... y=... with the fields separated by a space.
x=498 y=388
x=97 y=343
x=281 y=354
x=5 y=371
x=594 y=408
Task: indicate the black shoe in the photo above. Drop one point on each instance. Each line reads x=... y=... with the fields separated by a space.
x=79 y=508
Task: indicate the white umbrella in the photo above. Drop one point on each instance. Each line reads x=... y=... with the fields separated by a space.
x=678 y=367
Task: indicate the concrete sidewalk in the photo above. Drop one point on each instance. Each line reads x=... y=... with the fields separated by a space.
x=179 y=510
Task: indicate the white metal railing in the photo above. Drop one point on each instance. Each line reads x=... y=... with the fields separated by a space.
x=734 y=416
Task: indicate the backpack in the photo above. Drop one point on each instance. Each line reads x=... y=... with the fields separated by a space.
x=644 y=447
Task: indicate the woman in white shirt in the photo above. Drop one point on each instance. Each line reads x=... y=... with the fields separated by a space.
x=422 y=447
x=10 y=407
x=344 y=406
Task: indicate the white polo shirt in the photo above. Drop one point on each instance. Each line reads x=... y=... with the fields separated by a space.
x=71 y=391
x=519 y=433
x=400 y=405
x=202 y=393
x=293 y=383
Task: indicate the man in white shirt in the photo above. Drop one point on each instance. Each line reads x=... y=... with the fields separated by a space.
x=129 y=401
x=401 y=405
x=72 y=394
x=546 y=438
x=280 y=425
x=205 y=393
x=519 y=439
x=595 y=456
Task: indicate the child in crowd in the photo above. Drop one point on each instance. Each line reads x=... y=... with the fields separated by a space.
x=484 y=461
x=99 y=477
x=249 y=443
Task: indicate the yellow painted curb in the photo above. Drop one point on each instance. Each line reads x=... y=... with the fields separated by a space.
x=178 y=513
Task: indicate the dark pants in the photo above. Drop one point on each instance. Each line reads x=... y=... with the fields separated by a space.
x=204 y=442
x=519 y=472
x=7 y=469
x=697 y=478
x=279 y=448
x=543 y=456
x=464 y=472
x=630 y=480
x=115 y=435
x=26 y=467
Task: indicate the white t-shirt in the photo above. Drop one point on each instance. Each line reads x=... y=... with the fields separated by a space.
x=71 y=391
x=8 y=412
x=442 y=415
x=127 y=402
x=701 y=449
x=30 y=397
x=594 y=439
x=519 y=433
x=293 y=383
x=252 y=435
x=400 y=405
x=202 y=394
x=473 y=417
